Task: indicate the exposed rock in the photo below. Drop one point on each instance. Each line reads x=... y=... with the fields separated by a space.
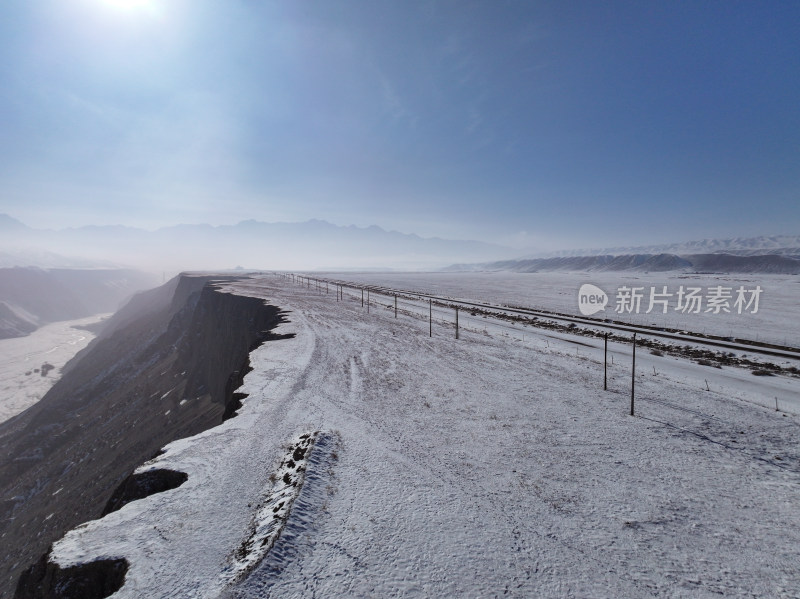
x=92 y=580
x=143 y=484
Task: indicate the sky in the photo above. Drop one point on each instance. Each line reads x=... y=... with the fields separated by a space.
x=540 y=125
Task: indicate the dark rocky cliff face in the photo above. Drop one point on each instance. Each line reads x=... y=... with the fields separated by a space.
x=117 y=404
x=96 y=580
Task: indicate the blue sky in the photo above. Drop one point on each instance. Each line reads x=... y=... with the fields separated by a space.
x=541 y=124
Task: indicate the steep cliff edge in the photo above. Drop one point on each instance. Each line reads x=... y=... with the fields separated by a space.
x=165 y=368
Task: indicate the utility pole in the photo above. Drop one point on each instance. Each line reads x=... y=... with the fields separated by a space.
x=605 y=364
x=633 y=372
x=456 y=323
x=430 y=317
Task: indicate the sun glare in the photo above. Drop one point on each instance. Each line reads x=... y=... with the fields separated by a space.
x=130 y=5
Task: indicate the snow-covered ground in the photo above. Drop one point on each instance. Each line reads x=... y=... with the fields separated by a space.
x=777 y=319
x=22 y=358
x=491 y=465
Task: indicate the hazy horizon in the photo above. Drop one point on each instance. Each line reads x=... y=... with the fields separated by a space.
x=311 y=220
x=309 y=245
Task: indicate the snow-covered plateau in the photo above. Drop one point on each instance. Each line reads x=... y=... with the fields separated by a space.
x=776 y=319
x=490 y=465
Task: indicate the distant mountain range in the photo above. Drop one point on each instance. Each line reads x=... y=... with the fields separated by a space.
x=778 y=254
x=721 y=262
x=320 y=245
x=314 y=244
x=775 y=244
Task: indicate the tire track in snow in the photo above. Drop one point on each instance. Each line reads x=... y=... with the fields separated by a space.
x=355 y=379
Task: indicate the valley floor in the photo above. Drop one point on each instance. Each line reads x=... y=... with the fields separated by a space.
x=21 y=360
x=478 y=467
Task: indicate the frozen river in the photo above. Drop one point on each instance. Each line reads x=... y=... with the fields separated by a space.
x=22 y=382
